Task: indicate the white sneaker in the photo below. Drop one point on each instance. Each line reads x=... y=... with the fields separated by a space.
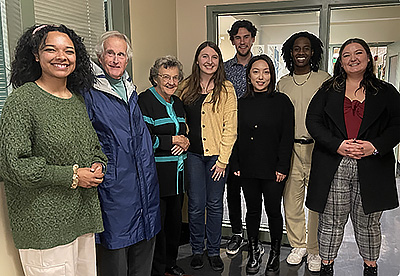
x=296 y=256
x=314 y=262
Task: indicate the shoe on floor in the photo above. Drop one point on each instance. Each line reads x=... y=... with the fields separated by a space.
x=326 y=269
x=197 y=261
x=370 y=270
x=216 y=263
x=313 y=262
x=234 y=244
x=175 y=271
x=296 y=256
x=262 y=251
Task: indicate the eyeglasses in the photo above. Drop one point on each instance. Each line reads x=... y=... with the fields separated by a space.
x=166 y=78
x=112 y=54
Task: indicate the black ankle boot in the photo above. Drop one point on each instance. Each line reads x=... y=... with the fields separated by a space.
x=273 y=260
x=326 y=269
x=255 y=256
x=370 y=270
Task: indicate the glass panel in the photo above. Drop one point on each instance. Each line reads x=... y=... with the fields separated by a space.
x=273 y=30
x=378 y=26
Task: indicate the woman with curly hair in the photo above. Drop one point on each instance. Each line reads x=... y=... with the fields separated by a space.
x=211 y=114
x=50 y=157
x=354 y=119
x=164 y=115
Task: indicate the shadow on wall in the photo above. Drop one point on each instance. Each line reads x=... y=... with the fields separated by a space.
x=9 y=259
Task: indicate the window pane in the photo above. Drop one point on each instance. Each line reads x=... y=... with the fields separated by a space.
x=378 y=26
x=273 y=30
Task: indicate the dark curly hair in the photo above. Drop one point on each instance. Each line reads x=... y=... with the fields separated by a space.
x=24 y=67
x=370 y=82
x=272 y=80
x=316 y=47
x=242 y=24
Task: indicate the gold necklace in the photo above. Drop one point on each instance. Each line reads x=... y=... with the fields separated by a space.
x=300 y=84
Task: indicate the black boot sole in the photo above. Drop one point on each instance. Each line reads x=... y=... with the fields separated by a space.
x=252 y=271
x=272 y=273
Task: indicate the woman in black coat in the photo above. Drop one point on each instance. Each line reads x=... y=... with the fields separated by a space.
x=355 y=121
x=261 y=156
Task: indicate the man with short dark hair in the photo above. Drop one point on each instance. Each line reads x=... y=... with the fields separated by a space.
x=242 y=35
x=302 y=53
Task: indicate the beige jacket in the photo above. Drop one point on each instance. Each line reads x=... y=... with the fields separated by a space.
x=219 y=128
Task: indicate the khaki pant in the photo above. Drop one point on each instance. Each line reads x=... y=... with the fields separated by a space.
x=293 y=201
x=77 y=258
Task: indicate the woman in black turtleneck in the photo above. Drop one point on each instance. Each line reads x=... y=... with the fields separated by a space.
x=261 y=156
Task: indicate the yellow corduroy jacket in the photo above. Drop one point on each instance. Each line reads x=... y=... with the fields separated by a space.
x=219 y=129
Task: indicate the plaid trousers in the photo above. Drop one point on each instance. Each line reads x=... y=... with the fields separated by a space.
x=344 y=198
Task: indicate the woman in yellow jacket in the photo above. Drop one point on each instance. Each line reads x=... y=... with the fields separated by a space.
x=211 y=114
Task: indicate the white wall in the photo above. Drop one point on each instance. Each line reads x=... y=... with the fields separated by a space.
x=153 y=27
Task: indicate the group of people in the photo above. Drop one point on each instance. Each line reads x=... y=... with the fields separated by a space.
x=95 y=174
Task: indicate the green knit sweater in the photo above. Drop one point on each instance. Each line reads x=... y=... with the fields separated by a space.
x=41 y=138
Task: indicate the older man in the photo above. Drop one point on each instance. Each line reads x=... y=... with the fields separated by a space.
x=129 y=194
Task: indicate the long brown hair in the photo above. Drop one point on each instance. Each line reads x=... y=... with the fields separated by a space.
x=370 y=82
x=192 y=88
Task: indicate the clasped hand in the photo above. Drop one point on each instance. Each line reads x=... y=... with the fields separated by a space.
x=90 y=177
x=181 y=143
x=355 y=149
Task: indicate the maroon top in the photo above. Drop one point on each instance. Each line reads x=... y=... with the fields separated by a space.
x=353 y=115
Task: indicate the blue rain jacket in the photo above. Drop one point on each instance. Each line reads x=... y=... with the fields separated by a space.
x=129 y=194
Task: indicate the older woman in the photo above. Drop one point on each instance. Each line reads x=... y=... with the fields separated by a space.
x=165 y=117
x=50 y=157
x=211 y=113
x=354 y=119
x=262 y=157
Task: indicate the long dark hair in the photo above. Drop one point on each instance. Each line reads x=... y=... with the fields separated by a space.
x=192 y=89
x=370 y=82
x=271 y=86
x=316 y=47
x=24 y=67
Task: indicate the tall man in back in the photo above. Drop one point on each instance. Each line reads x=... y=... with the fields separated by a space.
x=302 y=53
x=242 y=35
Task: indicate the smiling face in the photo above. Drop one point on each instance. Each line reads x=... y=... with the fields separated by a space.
x=208 y=61
x=354 y=59
x=260 y=76
x=167 y=81
x=301 y=54
x=57 y=56
x=243 y=41
x=114 y=58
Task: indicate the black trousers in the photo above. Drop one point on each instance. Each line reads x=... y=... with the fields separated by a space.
x=254 y=190
x=167 y=240
x=233 y=185
x=134 y=260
